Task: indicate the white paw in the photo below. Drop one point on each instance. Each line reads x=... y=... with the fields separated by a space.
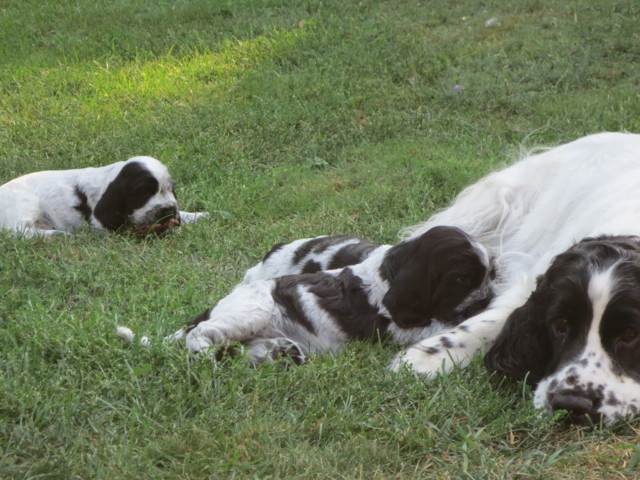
x=38 y=232
x=192 y=217
x=429 y=358
x=53 y=233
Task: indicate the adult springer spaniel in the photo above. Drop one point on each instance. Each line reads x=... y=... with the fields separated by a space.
x=575 y=334
x=577 y=337
x=405 y=292
x=136 y=194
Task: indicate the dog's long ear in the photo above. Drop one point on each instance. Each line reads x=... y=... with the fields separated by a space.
x=523 y=348
x=396 y=258
x=131 y=189
x=110 y=209
x=141 y=186
x=408 y=309
x=408 y=298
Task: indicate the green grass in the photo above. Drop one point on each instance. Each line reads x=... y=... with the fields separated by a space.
x=283 y=119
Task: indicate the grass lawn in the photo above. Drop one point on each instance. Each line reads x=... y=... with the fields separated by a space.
x=284 y=119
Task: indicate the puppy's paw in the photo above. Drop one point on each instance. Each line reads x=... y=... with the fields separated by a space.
x=282 y=350
x=192 y=217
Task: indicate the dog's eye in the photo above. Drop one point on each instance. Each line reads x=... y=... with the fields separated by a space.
x=560 y=327
x=464 y=281
x=628 y=335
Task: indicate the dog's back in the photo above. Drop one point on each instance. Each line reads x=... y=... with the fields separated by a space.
x=38 y=201
x=310 y=255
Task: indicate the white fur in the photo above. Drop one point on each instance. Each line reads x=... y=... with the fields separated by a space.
x=43 y=203
x=525 y=215
x=127 y=335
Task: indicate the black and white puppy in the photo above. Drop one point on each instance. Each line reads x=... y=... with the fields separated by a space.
x=135 y=194
x=404 y=292
x=577 y=337
x=305 y=255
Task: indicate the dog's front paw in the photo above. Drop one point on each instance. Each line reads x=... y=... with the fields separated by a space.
x=432 y=356
x=418 y=361
x=282 y=350
x=192 y=217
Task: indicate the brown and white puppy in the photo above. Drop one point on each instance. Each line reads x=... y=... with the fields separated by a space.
x=136 y=194
x=403 y=292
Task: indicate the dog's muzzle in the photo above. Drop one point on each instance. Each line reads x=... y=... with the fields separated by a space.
x=160 y=220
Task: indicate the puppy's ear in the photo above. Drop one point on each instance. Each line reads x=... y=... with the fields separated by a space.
x=131 y=189
x=404 y=313
x=408 y=298
x=396 y=258
x=523 y=348
x=110 y=209
x=141 y=185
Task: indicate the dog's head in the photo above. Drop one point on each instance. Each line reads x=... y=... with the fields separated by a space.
x=442 y=274
x=577 y=338
x=140 y=197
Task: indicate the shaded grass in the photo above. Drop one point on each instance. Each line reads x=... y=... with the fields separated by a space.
x=283 y=119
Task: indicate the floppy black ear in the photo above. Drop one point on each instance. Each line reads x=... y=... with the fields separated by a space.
x=131 y=189
x=396 y=257
x=408 y=299
x=523 y=348
x=405 y=311
x=140 y=184
x=110 y=209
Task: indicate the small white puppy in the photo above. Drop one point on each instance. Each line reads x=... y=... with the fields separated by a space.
x=136 y=194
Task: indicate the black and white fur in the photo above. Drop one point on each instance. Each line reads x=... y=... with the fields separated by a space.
x=525 y=215
x=129 y=194
x=310 y=255
x=577 y=337
x=402 y=292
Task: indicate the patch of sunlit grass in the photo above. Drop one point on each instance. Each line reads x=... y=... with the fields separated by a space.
x=120 y=87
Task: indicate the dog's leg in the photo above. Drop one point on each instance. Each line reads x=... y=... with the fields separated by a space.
x=222 y=330
x=246 y=313
x=192 y=217
x=457 y=347
x=47 y=233
x=29 y=231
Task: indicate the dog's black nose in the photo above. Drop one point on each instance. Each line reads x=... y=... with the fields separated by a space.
x=580 y=409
